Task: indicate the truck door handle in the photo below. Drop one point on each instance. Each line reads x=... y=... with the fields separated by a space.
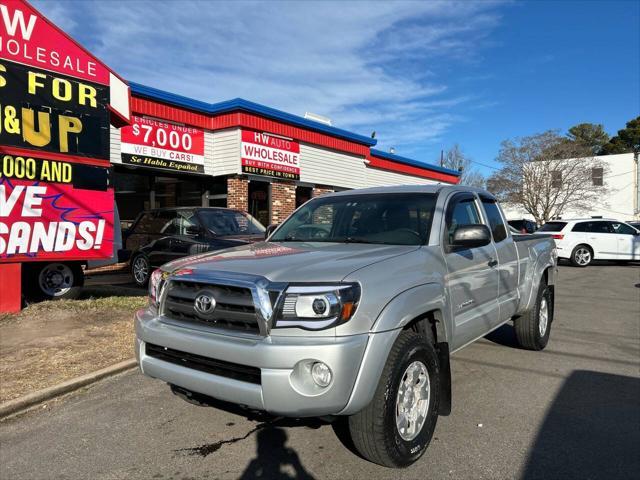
x=492 y=263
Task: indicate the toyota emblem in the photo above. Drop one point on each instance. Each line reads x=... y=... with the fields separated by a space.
x=204 y=304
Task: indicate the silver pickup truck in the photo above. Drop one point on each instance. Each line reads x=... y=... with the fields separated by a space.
x=350 y=308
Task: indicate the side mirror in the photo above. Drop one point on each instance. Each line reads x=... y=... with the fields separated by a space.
x=471 y=236
x=269 y=230
x=193 y=230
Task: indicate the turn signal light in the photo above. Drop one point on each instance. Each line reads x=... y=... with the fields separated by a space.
x=347 y=311
x=558 y=237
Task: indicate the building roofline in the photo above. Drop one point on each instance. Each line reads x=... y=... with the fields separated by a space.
x=415 y=163
x=247 y=106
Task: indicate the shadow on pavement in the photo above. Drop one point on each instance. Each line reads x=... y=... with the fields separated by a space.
x=274 y=460
x=591 y=431
x=504 y=335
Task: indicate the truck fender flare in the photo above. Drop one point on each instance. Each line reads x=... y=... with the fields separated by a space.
x=542 y=265
x=397 y=314
x=412 y=303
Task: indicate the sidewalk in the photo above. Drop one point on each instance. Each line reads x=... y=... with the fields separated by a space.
x=51 y=342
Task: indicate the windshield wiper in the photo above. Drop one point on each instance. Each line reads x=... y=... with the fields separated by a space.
x=362 y=240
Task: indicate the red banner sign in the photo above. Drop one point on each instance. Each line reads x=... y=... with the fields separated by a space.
x=157 y=144
x=265 y=154
x=41 y=221
x=29 y=39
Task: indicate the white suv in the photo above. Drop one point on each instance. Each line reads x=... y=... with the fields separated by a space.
x=583 y=240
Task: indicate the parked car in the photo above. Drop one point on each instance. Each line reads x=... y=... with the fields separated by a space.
x=159 y=236
x=524 y=225
x=350 y=308
x=586 y=239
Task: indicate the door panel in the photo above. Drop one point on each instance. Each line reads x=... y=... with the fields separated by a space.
x=507 y=253
x=628 y=241
x=599 y=235
x=471 y=282
x=605 y=241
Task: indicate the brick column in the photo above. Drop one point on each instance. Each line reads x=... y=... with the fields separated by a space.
x=320 y=190
x=283 y=200
x=238 y=193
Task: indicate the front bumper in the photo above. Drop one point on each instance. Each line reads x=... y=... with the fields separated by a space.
x=284 y=362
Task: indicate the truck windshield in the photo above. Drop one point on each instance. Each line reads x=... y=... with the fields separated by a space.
x=390 y=219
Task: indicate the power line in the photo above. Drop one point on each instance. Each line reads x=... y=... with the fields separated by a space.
x=484 y=164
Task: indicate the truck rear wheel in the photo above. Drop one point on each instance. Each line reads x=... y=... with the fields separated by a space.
x=395 y=429
x=534 y=327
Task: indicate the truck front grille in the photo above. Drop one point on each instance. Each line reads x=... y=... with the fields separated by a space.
x=234 y=308
x=221 y=368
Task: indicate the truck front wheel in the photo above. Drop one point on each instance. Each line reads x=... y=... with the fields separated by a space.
x=395 y=429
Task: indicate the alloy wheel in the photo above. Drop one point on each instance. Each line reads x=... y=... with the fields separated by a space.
x=583 y=256
x=140 y=269
x=412 y=401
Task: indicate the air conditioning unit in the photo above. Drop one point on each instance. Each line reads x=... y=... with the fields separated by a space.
x=318 y=118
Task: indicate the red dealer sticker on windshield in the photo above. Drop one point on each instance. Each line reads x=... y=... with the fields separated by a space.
x=54 y=220
x=264 y=154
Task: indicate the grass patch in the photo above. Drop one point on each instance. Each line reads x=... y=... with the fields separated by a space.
x=50 y=342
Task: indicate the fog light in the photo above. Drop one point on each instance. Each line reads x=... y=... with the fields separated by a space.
x=321 y=374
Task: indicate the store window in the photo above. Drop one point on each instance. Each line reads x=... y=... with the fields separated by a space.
x=178 y=192
x=259 y=201
x=303 y=194
x=132 y=195
x=138 y=190
x=597 y=176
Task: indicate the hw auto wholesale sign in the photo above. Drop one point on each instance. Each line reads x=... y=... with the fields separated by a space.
x=264 y=154
x=56 y=103
x=158 y=144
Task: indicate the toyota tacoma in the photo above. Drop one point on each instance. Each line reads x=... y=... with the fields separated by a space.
x=351 y=308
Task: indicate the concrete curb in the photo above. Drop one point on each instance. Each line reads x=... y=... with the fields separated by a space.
x=27 y=401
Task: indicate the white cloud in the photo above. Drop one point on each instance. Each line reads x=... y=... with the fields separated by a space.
x=366 y=65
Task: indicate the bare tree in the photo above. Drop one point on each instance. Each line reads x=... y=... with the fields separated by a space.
x=455 y=159
x=547 y=175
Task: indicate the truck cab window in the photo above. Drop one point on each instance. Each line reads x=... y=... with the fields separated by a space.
x=498 y=230
x=463 y=212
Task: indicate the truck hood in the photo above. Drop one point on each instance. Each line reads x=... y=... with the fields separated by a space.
x=291 y=261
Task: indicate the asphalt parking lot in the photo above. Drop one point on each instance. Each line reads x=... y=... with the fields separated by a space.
x=571 y=411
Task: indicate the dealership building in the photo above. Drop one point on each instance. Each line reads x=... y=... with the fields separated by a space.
x=239 y=154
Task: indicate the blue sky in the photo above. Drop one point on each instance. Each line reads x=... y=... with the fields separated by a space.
x=423 y=75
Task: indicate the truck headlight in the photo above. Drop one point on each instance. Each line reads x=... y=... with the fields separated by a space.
x=314 y=307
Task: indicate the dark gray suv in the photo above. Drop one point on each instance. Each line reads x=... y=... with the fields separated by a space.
x=159 y=236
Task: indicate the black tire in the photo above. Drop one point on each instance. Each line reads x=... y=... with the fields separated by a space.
x=581 y=256
x=139 y=275
x=373 y=430
x=528 y=326
x=53 y=281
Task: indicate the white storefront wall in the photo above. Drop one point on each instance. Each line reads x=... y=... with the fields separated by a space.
x=318 y=166
x=619 y=198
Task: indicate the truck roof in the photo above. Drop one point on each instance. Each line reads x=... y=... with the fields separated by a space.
x=432 y=188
